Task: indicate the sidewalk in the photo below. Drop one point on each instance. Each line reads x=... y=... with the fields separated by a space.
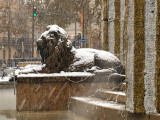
x=8 y=99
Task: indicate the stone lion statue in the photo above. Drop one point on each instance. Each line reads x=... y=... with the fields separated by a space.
x=58 y=54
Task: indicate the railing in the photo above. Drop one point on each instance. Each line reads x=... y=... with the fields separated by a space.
x=15 y=41
x=14 y=62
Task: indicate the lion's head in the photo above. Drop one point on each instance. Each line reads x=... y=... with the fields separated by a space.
x=55 y=49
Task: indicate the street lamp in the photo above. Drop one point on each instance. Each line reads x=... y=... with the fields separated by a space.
x=33 y=16
x=34 y=12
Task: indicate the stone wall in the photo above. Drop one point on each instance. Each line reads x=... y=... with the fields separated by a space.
x=122 y=19
x=157 y=74
x=129 y=56
x=111 y=25
x=150 y=54
x=134 y=38
x=105 y=24
x=117 y=28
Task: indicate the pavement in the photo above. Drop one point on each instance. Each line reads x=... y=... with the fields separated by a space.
x=8 y=99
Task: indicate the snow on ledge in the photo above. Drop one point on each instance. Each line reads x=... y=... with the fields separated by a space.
x=99 y=102
x=62 y=74
x=112 y=92
x=29 y=68
x=5 y=79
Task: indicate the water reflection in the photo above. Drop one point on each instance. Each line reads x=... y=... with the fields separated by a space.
x=8 y=115
x=53 y=115
x=8 y=110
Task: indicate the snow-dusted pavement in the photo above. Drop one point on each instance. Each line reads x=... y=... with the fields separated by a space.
x=7 y=99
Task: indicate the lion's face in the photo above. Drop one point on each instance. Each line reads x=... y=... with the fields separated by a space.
x=46 y=44
x=48 y=39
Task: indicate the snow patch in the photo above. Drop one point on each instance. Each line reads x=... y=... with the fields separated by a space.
x=113 y=92
x=5 y=79
x=29 y=68
x=62 y=74
x=104 y=55
x=99 y=102
x=83 y=57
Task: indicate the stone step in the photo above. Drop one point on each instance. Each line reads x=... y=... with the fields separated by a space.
x=96 y=109
x=115 y=96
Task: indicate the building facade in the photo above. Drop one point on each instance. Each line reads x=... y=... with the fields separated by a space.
x=16 y=30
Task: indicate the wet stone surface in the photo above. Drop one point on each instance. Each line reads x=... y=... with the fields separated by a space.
x=8 y=110
x=53 y=115
x=7 y=99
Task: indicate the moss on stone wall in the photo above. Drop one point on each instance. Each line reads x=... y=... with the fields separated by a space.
x=105 y=27
x=139 y=62
x=117 y=28
x=157 y=78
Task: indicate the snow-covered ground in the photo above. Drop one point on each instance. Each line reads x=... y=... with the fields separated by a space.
x=5 y=79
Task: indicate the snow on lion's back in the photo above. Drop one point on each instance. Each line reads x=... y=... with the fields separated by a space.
x=103 y=55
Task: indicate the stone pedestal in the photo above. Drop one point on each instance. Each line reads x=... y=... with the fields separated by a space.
x=54 y=92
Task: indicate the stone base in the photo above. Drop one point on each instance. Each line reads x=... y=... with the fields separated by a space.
x=53 y=93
